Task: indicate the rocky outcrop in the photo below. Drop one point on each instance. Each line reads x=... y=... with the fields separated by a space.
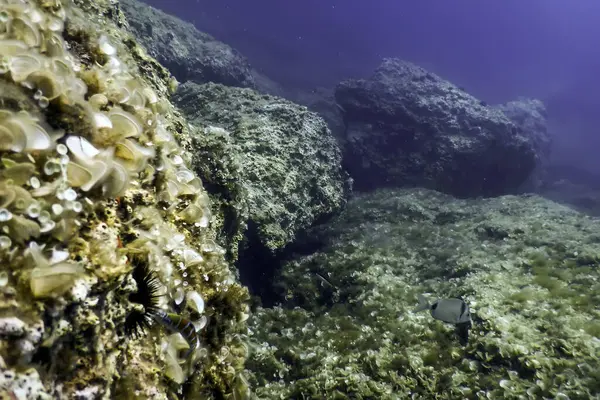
x=322 y=101
x=280 y=155
x=108 y=246
x=188 y=53
x=406 y=126
x=191 y=54
x=530 y=116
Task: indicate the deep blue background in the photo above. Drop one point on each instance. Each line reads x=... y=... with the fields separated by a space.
x=496 y=49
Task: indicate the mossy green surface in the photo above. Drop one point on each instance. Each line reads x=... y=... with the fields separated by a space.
x=528 y=267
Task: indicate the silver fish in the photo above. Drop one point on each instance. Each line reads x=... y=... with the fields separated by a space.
x=452 y=311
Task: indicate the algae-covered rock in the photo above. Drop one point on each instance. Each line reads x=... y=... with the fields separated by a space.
x=406 y=127
x=188 y=53
x=530 y=116
x=322 y=101
x=102 y=223
x=282 y=156
x=191 y=54
x=528 y=268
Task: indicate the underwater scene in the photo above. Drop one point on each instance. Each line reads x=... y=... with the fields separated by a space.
x=326 y=199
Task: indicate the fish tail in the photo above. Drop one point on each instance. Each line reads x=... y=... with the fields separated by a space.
x=423 y=304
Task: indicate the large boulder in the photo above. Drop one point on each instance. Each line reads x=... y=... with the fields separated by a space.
x=103 y=221
x=530 y=116
x=406 y=126
x=188 y=53
x=322 y=101
x=275 y=164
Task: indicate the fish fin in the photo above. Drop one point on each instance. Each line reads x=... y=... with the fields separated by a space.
x=423 y=304
x=462 y=330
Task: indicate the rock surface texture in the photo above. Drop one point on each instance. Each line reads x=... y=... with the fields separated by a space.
x=406 y=126
x=107 y=240
x=186 y=52
x=290 y=163
x=190 y=54
x=530 y=116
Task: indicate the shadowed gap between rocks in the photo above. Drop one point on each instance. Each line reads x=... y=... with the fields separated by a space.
x=258 y=266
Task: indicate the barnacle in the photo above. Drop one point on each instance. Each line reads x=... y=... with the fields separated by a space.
x=98 y=101
x=133 y=155
x=113 y=126
x=46 y=82
x=118 y=180
x=22 y=229
x=130 y=93
x=54 y=280
x=22 y=65
x=100 y=121
x=191 y=257
x=12 y=47
x=125 y=125
x=7 y=194
x=191 y=213
x=171 y=348
x=14 y=197
x=25 y=30
x=106 y=47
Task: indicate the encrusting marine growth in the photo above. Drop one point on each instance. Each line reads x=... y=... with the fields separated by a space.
x=92 y=186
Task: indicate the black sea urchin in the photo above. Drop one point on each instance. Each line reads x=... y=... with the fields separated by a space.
x=146 y=296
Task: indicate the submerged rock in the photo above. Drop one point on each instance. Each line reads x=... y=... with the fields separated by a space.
x=528 y=268
x=191 y=54
x=188 y=53
x=280 y=155
x=96 y=186
x=322 y=101
x=529 y=115
x=406 y=126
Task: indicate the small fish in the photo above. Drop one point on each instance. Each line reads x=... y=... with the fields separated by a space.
x=325 y=282
x=453 y=311
x=176 y=323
